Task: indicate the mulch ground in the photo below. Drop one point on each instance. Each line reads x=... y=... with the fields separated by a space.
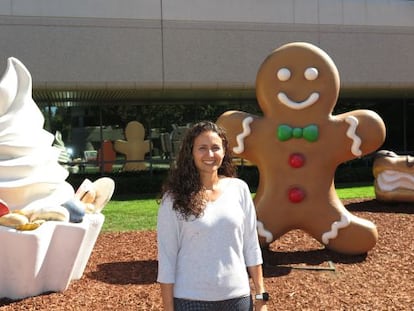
x=299 y=273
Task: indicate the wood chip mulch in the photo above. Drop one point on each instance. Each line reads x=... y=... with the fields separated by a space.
x=299 y=273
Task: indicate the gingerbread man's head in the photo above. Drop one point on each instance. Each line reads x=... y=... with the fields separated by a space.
x=297 y=77
x=134 y=131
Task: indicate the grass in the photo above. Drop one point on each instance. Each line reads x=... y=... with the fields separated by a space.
x=130 y=215
x=141 y=214
x=356 y=192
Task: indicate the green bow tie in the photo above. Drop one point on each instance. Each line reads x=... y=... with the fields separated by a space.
x=286 y=132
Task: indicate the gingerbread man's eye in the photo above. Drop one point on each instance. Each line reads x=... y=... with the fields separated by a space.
x=311 y=73
x=283 y=74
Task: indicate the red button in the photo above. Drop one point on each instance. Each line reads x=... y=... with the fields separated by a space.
x=296 y=160
x=296 y=195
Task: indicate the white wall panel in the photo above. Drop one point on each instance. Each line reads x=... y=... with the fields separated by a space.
x=5 y=7
x=306 y=11
x=330 y=12
x=139 y=9
x=265 y=11
x=347 y=12
x=85 y=55
x=354 y=12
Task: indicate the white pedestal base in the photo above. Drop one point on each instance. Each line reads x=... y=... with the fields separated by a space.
x=45 y=259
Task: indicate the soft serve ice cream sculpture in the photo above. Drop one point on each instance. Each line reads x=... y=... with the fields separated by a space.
x=297 y=145
x=30 y=175
x=47 y=231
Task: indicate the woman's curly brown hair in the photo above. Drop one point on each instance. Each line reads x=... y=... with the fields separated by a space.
x=183 y=182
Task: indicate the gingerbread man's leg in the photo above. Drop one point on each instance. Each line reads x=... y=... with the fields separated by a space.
x=348 y=234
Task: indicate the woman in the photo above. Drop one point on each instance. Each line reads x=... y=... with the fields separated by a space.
x=207 y=230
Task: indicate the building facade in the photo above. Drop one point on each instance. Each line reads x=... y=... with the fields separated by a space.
x=146 y=52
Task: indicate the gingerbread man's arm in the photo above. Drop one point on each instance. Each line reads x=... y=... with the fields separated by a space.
x=121 y=146
x=238 y=126
x=365 y=131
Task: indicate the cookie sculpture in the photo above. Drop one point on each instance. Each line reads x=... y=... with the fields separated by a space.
x=297 y=145
x=134 y=147
x=394 y=177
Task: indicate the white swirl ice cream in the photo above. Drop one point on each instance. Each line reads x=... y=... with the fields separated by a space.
x=30 y=175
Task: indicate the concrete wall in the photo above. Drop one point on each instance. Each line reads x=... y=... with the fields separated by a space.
x=340 y=12
x=203 y=44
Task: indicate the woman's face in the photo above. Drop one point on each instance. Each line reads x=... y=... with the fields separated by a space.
x=208 y=152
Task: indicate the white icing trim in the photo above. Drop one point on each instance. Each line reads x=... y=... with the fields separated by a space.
x=263 y=232
x=240 y=138
x=390 y=180
x=285 y=100
x=336 y=225
x=356 y=141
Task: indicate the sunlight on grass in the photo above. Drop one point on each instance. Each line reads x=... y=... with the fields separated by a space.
x=130 y=215
x=356 y=192
x=142 y=214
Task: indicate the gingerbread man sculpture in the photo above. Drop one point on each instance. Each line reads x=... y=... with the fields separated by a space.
x=297 y=145
x=134 y=147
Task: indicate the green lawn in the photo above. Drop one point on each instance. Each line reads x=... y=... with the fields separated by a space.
x=142 y=214
x=130 y=215
x=356 y=192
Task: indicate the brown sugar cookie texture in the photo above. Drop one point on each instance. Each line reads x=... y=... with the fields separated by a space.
x=297 y=145
x=394 y=177
x=134 y=147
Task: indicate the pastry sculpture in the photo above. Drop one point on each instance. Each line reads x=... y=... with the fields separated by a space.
x=297 y=145
x=394 y=177
x=47 y=230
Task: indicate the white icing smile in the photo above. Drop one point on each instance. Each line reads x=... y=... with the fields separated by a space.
x=285 y=100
